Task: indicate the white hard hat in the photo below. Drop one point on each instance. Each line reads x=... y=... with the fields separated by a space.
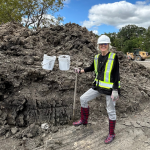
x=103 y=39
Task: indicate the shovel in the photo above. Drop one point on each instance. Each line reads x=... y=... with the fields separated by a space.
x=74 y=102
x=75 y=92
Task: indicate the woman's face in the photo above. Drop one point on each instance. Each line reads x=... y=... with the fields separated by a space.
x=104 y=47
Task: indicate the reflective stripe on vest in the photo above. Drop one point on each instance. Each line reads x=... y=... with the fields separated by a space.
x=108 y=68
x=106 y=84
x=96 y=64
x=118 y=84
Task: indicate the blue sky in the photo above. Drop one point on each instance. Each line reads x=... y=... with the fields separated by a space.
x=107 y=16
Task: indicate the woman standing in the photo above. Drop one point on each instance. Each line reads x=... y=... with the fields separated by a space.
x=107 y=81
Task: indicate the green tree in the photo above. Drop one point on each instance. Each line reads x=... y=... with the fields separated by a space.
x=33 y=13
x=129 y=37
x=118 y=43
x=130 y=44
x=146 y=41
x=130 y=31
x=10 y=10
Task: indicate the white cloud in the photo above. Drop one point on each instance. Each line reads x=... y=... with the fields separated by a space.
x=119 y=14
x=95 y=31
x=141 y=2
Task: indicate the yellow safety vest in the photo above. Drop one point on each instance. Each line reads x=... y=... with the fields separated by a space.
x=107 y=73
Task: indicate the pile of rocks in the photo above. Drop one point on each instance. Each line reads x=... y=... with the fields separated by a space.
x=30 y=94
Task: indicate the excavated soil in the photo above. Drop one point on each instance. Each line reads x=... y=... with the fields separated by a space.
x=30 y=95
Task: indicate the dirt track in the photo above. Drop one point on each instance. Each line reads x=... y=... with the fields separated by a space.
x=145 y=63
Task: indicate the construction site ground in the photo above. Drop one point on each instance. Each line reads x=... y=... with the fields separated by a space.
x=31 y=95
x=132 y=133
x=146 y=63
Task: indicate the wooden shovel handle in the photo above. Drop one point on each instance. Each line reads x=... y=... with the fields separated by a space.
x=75 y=91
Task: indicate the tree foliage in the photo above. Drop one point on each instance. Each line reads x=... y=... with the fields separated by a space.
x=33 y=13
x=130 y=31
x=146 y=40
x=10 y=10
x=129 y=37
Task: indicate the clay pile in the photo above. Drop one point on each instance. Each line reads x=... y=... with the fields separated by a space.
x=30 y=94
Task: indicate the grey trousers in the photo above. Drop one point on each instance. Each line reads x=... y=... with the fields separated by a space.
x=92 y=94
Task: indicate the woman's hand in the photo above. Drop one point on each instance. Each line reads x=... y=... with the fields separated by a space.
x=115 y=95
x=77 y=70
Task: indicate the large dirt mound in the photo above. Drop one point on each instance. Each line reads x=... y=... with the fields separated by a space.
x=30 y=94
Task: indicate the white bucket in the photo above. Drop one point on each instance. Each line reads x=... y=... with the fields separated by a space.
x=64 y=62
x=48 y=62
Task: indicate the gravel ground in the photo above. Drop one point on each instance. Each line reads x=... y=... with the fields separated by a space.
x=132 y=132
x=145 y=63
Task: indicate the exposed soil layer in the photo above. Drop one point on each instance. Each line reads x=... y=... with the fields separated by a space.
x=30 y=95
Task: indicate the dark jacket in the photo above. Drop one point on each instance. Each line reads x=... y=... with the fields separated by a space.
x=115 y=77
